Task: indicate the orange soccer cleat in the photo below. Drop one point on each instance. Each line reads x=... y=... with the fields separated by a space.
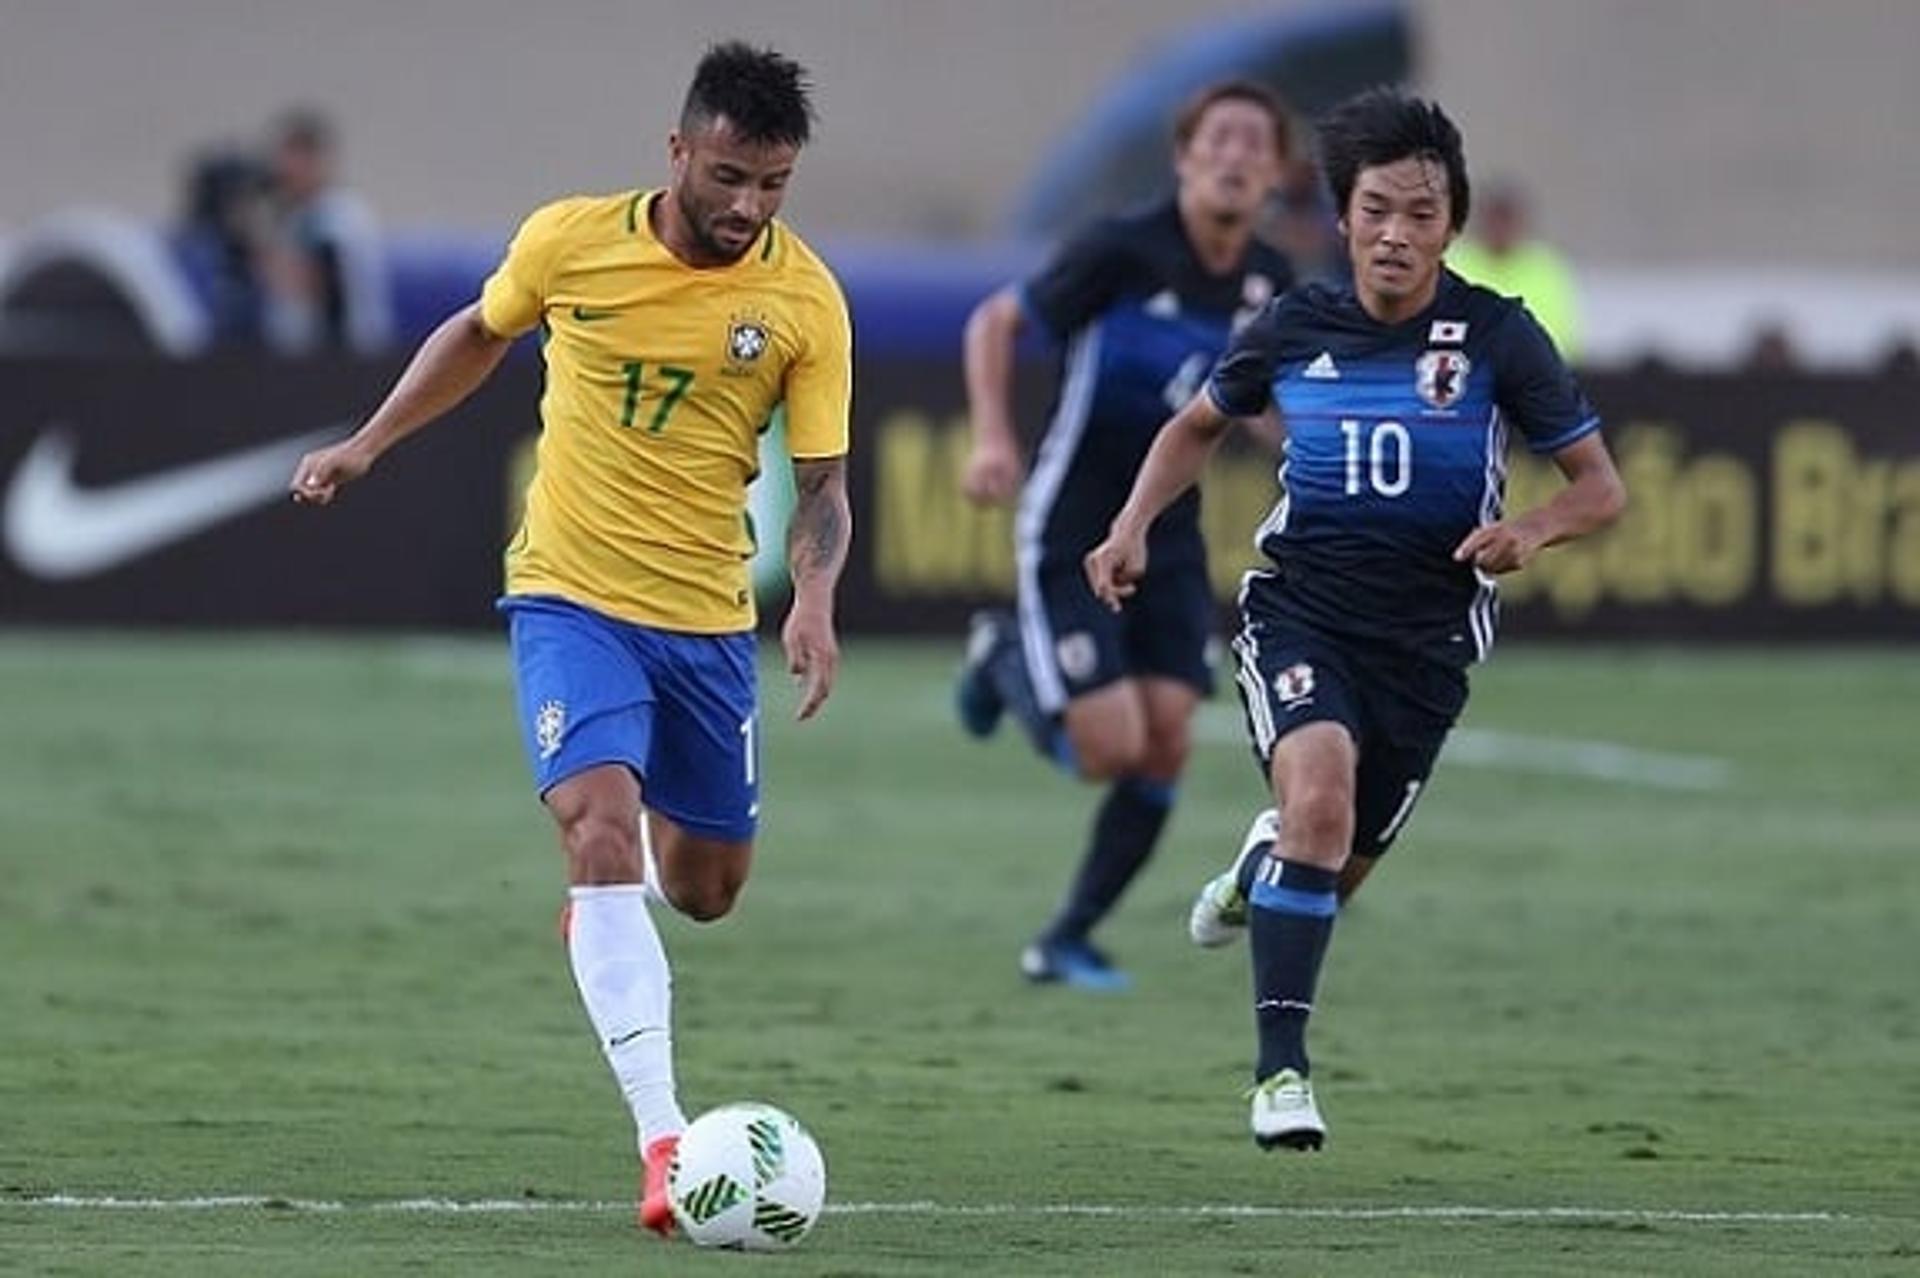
x=656 y=1213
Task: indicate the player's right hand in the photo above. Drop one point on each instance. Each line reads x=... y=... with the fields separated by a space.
x=993 y=473
x=813 y=655
x=321 y=472
x=1116 y=565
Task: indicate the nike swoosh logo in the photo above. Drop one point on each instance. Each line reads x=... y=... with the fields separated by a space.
x=586 y=316
x=59 y=531
x=1281 y=1005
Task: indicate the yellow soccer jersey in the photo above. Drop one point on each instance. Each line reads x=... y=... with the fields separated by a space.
x=660 y=379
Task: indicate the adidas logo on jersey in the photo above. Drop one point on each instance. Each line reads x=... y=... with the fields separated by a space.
x=1323 y=369
x=1163 y=305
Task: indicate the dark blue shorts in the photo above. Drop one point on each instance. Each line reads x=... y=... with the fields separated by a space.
x=1398 y=706
x=677 y=709
x=1075 y=645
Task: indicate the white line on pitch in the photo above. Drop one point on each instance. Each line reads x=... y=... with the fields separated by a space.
x=507 y=1206
x=1596 y=760
x=1541 y=755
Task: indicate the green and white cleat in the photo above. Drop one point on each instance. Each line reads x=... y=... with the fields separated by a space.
x=1284 y=1115
x=1219 y=913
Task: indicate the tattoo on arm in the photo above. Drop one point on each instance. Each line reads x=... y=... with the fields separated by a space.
x=822 y=522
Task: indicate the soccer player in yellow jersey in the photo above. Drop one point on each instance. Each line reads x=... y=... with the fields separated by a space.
x=675 y=322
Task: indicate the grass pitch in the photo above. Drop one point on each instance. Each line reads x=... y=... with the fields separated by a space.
x=1636 y=993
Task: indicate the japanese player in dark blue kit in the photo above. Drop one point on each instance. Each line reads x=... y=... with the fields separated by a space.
x=1397 y=398
x=1143 y=305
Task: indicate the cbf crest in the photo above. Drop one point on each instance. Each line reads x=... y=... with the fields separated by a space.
x=748 y=337
x=550 y=727
x=1440 y=377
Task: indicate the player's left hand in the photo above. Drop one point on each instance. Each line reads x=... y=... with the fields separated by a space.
x=1506 y=546
x=323 y=472
x=813 y=655
x=1115 y=566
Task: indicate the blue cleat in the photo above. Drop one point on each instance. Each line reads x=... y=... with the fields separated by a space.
x=1074 y=963
x=974 y=696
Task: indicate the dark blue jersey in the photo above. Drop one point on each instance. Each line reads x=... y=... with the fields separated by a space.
x=1143 y=322
x=1396 y=449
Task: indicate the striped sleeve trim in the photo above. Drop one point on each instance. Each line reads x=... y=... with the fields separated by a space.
x=1561 y=440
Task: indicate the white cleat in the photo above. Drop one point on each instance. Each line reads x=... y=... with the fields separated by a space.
x=1284 y=1115
x=1219 y=913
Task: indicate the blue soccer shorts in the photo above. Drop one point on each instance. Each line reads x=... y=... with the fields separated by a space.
x=1074 y=644
x=1397 y=706
x=678 y=709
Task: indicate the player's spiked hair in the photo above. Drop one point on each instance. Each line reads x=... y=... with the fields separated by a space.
x=1196 y=107
x=1382 y=126
x=763 y=94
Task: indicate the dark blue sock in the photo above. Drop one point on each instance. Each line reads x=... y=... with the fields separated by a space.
x=1290 y=922
x=1125 y=830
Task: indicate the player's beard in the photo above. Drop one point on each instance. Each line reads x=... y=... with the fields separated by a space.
x=700 y=222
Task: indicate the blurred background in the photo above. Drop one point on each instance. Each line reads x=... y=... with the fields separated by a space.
x=276 y=909
x=250 y=212
x=1738 y=154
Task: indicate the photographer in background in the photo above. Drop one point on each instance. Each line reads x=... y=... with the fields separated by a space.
x=220 y=237
x=1503 y=252
x=323 y=273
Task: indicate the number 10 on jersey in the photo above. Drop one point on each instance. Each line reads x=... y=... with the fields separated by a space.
x=1381 y=458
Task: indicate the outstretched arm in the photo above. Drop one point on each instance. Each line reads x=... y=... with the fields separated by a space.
x=1173 y=465
x=448 y=367
x=817 y=540
x=1593 y=498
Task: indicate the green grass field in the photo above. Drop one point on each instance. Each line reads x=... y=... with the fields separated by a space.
x=1636 y=994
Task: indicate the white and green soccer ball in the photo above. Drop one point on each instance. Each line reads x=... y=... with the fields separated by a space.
x=748 y=1177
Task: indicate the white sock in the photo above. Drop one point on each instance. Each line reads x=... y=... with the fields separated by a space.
x=622 y=972
x=655 y=894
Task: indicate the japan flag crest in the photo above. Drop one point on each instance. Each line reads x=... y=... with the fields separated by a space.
x=1440 y=377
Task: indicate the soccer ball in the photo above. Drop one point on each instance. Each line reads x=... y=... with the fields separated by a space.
x=747 y=1177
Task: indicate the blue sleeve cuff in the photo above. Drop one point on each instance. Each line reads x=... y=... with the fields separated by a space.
x=1033 y=315
x=1225 y=409
x=1560 y=441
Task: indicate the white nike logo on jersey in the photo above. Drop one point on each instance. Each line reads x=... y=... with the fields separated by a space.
x=1323 y=369
x=59 y=531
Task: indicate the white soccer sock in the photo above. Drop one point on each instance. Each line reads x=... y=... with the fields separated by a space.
x=622 y=972
x=656 y=894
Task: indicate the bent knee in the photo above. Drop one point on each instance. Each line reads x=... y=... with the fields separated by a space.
x=706 y=901
x=1318 y=824
x=1103 y=756
x=1165 y=756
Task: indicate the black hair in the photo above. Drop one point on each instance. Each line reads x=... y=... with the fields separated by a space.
x=306 y=127
x=1382 y=126
x=220 y=182
x=763 y=94
x=1195 y=108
